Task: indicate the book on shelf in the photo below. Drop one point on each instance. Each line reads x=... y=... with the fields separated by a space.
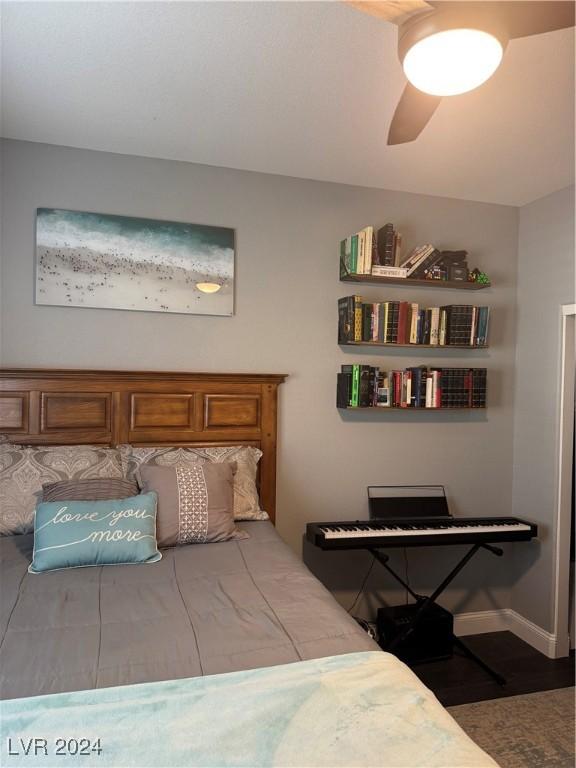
x=416 y=257
x=397 y=272
x=385 y=246
x=465 y=325
x=403 y=322
x=357 y=253
x=367 y=252
x=397 y=248
x=349 y=319
x=426 y=264
x=365 y=386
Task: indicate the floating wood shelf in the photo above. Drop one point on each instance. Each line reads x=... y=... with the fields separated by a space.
x=407 y=281
x=410 y=346
x=410 y=408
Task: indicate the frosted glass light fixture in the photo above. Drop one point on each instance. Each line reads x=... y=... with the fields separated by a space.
x=453 y=61
x=208 y=287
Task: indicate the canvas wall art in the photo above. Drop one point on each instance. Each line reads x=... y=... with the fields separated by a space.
x=121 y=262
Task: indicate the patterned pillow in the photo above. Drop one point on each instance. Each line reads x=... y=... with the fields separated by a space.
x=25 y=469
x=194 y=502
x=246 y=501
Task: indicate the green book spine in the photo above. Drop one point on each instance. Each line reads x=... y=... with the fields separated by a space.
x=355 y=385
x=354 y=255
x=344 y=262
x=357 y=318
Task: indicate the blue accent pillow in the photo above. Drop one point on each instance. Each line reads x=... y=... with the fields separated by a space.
x=72 y=534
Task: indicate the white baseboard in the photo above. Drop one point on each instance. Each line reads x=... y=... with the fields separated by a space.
x=506 y=619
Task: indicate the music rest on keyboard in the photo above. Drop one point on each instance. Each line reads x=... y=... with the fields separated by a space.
x=418 y=531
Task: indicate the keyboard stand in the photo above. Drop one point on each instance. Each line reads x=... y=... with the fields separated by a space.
x=424 y=603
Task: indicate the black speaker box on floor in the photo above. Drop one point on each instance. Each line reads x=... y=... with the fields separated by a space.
x=431 y=640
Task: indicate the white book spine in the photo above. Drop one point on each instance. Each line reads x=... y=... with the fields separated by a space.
x=414 y=324
x=360 y=268
x=428 y=391
x=473 y=328
x=434 y=325
x=381 y=271
x=369 y=239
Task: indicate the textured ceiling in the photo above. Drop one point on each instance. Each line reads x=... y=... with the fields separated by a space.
x=296 y=88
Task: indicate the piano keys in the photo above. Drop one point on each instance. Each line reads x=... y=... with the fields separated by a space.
x=418 y=532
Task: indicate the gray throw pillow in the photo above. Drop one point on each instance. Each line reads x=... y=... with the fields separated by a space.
x=95 y=489
x=195 y=502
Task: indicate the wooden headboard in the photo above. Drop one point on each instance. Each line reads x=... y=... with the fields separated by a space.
x=58 y=407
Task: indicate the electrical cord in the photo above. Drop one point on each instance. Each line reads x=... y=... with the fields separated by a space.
x=361 y=590
x=406 y=575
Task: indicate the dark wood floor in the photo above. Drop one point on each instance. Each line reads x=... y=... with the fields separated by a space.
x=459 y=681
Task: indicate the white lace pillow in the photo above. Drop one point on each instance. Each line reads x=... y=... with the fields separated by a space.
x=24 y=469
x=246 y=501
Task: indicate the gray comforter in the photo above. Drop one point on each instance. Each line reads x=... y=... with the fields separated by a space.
x=201 y=610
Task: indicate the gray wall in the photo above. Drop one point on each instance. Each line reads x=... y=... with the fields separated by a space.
x=545 y=282
x=287 y=288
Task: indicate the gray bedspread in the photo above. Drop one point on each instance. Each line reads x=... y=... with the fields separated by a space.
x=201 y=610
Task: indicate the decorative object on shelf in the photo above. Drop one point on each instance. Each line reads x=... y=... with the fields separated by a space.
x=366 y=386
x=122 y=262
x=476 y=276
x=406 y=323
x=455 y=265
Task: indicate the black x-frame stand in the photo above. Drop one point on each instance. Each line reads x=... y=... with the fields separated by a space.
x=424 y=604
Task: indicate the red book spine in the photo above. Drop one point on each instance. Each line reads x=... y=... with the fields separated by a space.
x=397 y=388
x=438 y=402
x=402 y=322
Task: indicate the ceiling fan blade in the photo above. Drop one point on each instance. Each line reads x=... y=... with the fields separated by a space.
x=412 y=114
x=534 y=18
x=396 y=11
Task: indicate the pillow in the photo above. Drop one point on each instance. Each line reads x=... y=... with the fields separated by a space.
x=24 y=469
x=195 y=502
x=89 y=490
x=246 y=502
x=75 y=534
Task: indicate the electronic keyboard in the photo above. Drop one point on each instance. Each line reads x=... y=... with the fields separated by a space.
x=418 y=532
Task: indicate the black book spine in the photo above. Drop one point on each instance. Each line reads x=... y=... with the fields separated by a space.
x=366 y=322
x=345 y=319
x=343 y=390
x=373 y=384
x=365 y=394
x=427 y=319
x=385 y=246
x=479 y=387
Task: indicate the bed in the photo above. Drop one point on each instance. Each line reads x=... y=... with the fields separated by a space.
x=237 y=636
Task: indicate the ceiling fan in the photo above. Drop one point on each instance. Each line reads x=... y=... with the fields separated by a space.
x=453 y=46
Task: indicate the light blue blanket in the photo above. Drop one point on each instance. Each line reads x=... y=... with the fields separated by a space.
x=360 y=709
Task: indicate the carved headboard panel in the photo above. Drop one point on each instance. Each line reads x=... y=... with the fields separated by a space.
x=60 y=407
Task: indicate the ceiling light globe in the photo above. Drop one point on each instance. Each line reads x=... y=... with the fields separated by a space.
x=208 y=287
x=452 y=62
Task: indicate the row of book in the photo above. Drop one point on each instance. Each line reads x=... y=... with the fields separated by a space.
x=365 y=252
x=403 y=322
x=366 y=386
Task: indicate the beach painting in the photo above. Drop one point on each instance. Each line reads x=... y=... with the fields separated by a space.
x=121 y=262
